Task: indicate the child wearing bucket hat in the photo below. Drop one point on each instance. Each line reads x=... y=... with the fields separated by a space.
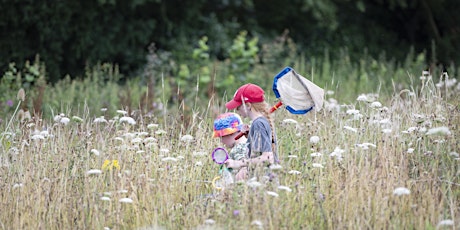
x=227 y=126
x=249 y=101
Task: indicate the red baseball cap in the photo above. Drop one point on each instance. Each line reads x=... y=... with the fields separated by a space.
x=249 y=93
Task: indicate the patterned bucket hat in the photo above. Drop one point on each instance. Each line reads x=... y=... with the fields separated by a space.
x=226 y=124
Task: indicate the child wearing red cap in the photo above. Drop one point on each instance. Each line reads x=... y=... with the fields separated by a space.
x=227 y=126
x=249 y=101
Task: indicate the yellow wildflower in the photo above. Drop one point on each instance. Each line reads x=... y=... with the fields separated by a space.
x=110 y=164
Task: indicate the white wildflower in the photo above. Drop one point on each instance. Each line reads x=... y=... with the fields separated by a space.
x=209 y=222
x=439 y=131
x=57 y=118
x=401 y=191
x=142 y=134
x=317 y=165
x=94 y=172
x=164 y=150
x=169 y=159
x=410 y=150
x=454 y=154
x=119 y=139
x=45 y=133
x=376 y=104
x=64 y=120
x=128 y=120
x=385 y=121
x=126 y=200
x=253 y=183
x=37 y=137
x=274 y=194
x=17 y=185
x=140 y=152
x=419 y=118
x=94 y=152
x=150 y=139
x=104 y=198
x=362 y=97
x=411 y=129
x=160 y=132
x=129 y=135
x=199 y=154
x=122 y=112
x=366 y=145
x=187 y=138
x=290 y=121
x=292 y=156
x=386 y=131
x=285 y=188
x=316 y=154
x=198 y=164
x=294 y=172
x=445 y=223
x=337 y=153
x=100 y=120
x=314 y=139
x=350 y=128
x=152 y=126
x=352 y=111
x=257 y=223
x=136 y=140
x=276 y=167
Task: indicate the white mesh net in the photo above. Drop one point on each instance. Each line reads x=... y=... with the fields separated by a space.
x=299 y=93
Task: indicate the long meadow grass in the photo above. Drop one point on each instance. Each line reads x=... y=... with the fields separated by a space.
x=375 y=163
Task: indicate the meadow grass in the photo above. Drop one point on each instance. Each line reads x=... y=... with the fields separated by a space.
x=372 y=164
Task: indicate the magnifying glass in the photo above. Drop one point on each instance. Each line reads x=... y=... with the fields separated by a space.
x=219 y=155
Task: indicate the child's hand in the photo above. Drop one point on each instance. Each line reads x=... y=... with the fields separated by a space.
x=245 y=128
x=233 y=164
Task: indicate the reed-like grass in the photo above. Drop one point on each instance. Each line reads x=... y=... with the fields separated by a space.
x=378 y=164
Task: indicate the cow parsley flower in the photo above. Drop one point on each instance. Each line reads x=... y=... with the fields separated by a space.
x=94 y=172
x=439 y=131
x=187 y=138
x=274 y=194
x=316 y=154
x=317 y=165
x=401 y=191
x=169 y=159
x=285 y=188
x=122 y=112
x=376 y=104
x=94 y=152
x=314 y=139
x=100 y=119
x=350 y=128
x=126 y=200
x=290 y=121
x=294 y=172
x=445 y=223
x=128 y=120
x=104 y=198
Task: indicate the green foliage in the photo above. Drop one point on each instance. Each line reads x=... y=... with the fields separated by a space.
x=30 y=78
x=243 y=56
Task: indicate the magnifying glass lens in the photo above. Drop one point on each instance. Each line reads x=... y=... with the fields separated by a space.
x=220 y=156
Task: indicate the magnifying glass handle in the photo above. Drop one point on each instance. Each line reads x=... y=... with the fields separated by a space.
x=240 y=135
x=275 y=107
